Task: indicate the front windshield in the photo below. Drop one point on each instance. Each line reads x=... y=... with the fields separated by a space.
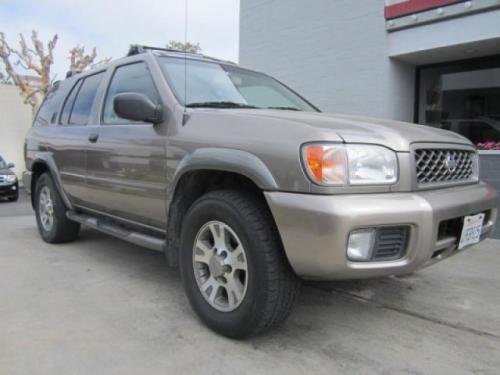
x=3 y=164
x=212 y=84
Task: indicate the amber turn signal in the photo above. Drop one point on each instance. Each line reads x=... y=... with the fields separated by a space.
x=326 y=164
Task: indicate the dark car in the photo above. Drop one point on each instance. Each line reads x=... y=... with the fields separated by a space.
x=9 y=187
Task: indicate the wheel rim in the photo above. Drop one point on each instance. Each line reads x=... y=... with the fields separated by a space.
x=46 y=209
x=220 y=266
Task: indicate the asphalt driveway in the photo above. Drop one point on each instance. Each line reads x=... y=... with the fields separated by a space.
x=102 y=306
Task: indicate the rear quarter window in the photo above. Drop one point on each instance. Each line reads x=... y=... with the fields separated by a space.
x=48 y=112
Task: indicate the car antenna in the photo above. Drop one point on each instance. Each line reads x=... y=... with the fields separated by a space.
x=185 y=116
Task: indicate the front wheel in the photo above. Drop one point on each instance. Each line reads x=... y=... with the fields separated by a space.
x=233 y=266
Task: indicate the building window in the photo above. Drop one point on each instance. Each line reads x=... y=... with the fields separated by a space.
x=463 y=97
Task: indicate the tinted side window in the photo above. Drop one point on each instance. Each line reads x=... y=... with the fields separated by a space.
x=68 y=104
x=128 y=78
x=47 y=114
x=84 y=100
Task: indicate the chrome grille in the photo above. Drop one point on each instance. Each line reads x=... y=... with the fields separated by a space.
x=444 y=165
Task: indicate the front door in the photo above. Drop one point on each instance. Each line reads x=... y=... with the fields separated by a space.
x=126 y=160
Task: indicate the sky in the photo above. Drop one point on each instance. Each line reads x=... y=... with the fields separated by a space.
x=112 y=25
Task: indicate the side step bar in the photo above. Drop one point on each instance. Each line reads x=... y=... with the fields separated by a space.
x=144 y=240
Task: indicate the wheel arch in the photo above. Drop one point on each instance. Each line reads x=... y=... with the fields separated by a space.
x=228 y=160
x=41 y=164
x=207 y=170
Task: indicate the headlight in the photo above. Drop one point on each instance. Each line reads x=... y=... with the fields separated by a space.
x=339 y=164
x=11 y=178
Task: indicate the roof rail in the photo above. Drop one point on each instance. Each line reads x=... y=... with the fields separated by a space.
x=72 y=72
x=136 y=49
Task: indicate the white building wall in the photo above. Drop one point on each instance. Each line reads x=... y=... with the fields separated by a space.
x=335 y=53
x=15 y=120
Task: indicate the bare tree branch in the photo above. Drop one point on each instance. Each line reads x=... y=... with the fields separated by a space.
x=25 y=58
x=79 y=60
x=38 y=57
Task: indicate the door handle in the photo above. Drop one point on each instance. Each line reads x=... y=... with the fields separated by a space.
x=93 y=137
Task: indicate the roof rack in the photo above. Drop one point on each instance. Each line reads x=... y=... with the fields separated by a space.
x=136 y=49
x=71 y=73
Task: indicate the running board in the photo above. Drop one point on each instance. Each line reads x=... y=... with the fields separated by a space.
x=105 y=226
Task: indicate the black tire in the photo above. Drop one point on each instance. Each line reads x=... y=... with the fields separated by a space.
x=63 y=229
x=14 y=198
x=272 y=286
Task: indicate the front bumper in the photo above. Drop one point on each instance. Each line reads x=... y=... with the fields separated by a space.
x=9 y=190
x=315 y=228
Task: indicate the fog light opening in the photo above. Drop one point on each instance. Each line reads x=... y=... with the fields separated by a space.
x=360 y=244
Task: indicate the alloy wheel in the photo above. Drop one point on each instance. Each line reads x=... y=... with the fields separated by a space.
x=220 y=266
x=46 y=209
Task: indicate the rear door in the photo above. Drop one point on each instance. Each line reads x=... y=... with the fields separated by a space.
x=71 y=139
x=59 y=130
x=126 y=163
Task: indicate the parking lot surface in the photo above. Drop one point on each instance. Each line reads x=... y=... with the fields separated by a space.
x=103 y=306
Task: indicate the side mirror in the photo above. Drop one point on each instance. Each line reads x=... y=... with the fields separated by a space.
x=10 y=165
x=137 y=107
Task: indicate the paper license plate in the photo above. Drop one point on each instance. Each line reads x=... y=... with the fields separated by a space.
x=471 y=231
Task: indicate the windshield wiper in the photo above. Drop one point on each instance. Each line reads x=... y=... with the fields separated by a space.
x=222 y=104
x=285 y=108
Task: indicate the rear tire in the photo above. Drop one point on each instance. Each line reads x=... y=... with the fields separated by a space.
x=53 y=225
x=245 y=251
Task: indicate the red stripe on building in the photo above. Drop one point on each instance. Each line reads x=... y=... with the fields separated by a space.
x=414 y=6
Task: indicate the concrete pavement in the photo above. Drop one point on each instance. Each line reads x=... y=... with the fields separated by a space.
x=21 y=207
x=100 y=305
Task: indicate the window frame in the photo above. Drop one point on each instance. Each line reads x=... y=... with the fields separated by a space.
x=106 y=92
x=44 y=102
x=92 y=107
x=180 y=100
x=76 y=86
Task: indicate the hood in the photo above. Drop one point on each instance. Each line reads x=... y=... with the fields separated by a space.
x=356 y=129
x=5 y=171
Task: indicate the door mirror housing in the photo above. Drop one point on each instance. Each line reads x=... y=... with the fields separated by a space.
x=137 y=107
x=10 y=165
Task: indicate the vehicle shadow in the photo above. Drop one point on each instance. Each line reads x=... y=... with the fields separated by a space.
x=345 y=326
x=7 y=200
x=127 y=256
x=328 y=300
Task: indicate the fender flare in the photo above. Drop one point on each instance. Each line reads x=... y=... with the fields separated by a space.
x=227 y=160
x=212 y=159
x=47 y=159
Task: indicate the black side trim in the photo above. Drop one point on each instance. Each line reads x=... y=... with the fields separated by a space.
x=115 y=230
